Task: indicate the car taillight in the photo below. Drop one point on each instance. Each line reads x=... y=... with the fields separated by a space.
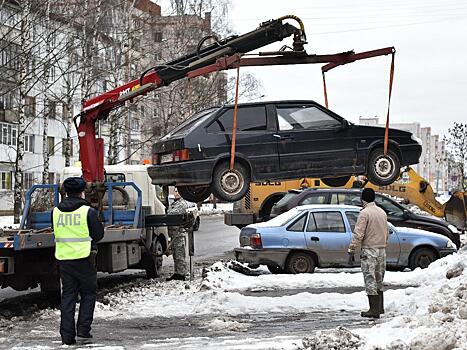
x=255 y=240
x=182 y=154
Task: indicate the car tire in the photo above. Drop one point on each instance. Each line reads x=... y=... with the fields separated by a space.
x=383 y=169
x=336 y=181
x=153 y=260
x=194 y=194
x=421 y=257
x=274 y=269
x=300 y=262
x=196 y=225
x=230 y=185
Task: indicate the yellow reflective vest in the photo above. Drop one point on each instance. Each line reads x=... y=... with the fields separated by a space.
x=72 y=239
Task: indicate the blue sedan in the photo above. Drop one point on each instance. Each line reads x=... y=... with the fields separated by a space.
x=313 y=236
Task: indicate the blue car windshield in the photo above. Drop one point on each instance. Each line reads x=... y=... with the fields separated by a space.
x=191 y=122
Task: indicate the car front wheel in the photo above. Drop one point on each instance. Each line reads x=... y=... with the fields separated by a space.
x=194 y=194
x=383 y=169
x=300 y=262
x=228 y=184
x=422 y=258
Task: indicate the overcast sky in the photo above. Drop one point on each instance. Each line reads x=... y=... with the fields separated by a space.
x=430 y=37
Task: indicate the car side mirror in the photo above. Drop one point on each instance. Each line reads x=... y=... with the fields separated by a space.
x=406 y=214
x=344 y=124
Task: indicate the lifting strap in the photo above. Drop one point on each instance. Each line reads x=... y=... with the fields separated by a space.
x=234 y=128
x=190 y=107
x=391 y=79
x=325 y=90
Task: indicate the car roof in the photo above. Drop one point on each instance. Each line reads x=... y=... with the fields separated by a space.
x=326 y=190
x=328 y=207
x=273 y=102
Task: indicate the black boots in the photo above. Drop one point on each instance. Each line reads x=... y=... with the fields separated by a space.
x=176 y=277
x=375 y=306
x=381 y=302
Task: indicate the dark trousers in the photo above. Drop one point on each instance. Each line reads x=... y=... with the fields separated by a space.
x=78 y=277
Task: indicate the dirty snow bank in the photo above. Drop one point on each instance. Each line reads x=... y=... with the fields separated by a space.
x=431 y=317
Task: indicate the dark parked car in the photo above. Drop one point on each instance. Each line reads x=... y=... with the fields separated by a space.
x=312 y=236
x=397 y=214
x=275 y=141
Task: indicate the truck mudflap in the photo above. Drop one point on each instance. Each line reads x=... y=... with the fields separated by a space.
x=239 y=219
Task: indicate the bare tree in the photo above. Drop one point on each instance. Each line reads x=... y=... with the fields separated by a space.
x=457 y=143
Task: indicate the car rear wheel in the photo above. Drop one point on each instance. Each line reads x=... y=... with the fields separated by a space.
x=422 y=258
x=336 y=181
x=194 y=194
x=230 y=185
x=300 y=262
x=383 y=169
x=274 y=269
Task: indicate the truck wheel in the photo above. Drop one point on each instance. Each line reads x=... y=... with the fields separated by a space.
x=230 y=185
x=300 y=262
x=194 y=194
x=154 y=259
x=336 y=181
x=383 y=169
x=422 y=258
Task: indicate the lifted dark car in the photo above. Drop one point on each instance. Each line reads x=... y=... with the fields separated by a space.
x=275 y=141
x=398 y=215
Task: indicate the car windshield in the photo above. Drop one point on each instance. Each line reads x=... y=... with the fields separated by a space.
x=284 y=218
x=286 y=198
x=191 y=123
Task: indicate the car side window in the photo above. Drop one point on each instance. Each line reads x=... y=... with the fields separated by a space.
x=251 y=118
x=352 y=217
x=298 y=225
x=304 y=117
x=314 y=199
x=346 y=198
x=311 y=226
x=390 y=208
x=329 y=221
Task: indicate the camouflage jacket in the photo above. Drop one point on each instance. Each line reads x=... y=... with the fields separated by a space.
x=179 y=206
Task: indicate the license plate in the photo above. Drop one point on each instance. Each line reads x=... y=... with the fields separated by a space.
x=166 y=158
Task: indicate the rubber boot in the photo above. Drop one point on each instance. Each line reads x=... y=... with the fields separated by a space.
x=381 y=301
x=374 y=307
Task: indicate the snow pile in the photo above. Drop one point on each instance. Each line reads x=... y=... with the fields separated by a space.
x=221 y=208
x=7 y=222
x=338 y=339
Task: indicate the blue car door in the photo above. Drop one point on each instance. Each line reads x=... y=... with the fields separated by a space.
x=327 y=236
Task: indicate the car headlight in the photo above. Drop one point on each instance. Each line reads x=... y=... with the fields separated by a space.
x=453 y=228
x=451 y=245
x=416 y=139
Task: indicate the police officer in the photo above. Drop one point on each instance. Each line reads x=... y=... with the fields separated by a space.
x=178 y=236
x=77 y=229
x=371 y=232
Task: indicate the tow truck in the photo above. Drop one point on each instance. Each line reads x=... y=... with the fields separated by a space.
x=130 y=238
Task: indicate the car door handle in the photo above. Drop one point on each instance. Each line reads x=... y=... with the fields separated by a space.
x=283 y=138
x=316 y=239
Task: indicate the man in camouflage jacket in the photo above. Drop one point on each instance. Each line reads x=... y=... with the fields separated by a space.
x=371 y=233
x=178 y=237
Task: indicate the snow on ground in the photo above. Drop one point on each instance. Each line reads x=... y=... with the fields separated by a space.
x=6 y=221
x=427 y=304
x=221 y=208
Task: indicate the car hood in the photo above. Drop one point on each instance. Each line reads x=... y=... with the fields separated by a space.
x=414 y=232
x=429 y=218
x=375 y=130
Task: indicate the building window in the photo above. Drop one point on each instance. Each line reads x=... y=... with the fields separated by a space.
x=30 y=106
x=158 y=37
x=51 y=109
x=5 y=183
x=51 y=178
x=8 y=134
x=28 y=180
x=29 y=143
x=50 y=145
x=64 y=142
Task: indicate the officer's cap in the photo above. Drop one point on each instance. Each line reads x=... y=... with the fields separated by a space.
x=74 y=185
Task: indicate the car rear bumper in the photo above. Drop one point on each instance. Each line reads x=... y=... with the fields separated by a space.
x=183 y=173
x=446 y=251
x=410 y=154
x=275 y=257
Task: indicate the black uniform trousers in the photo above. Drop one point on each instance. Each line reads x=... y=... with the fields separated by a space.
x=78 y=277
